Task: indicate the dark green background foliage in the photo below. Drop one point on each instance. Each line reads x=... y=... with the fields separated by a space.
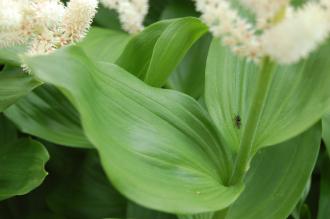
x=149 y=126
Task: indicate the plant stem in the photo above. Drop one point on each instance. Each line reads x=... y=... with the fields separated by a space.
x=247 y=143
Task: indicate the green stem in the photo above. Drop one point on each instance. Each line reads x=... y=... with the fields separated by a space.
x=249 y=132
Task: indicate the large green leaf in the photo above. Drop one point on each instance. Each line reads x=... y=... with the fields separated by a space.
x=158 y=147
x=104 y=45
x=22 y=162
x=297 y=97
x=14 y=83
x=154 y=54
x=47 y=114
x=277 y=178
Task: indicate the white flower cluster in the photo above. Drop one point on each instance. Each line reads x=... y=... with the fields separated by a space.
x=281 y=32
x=44 y=25
x=298 y=35
x=131 y=13
x=235 y=31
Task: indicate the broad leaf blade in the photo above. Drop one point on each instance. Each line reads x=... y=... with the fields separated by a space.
x=174 y=160
x=277 y=178
x=47 y=114
x=298 y=96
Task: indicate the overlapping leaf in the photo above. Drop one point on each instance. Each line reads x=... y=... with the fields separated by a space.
x=157 y=146
x=46 y=113
x=277 y=178
x=298 y=96
x=22 y=162
x=154 y=54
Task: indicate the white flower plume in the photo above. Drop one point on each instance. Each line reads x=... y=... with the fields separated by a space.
x=44 y=25
x=298 y=35
x=131 y=13
x=235 y=31
x=10 y=15
x=281 y=32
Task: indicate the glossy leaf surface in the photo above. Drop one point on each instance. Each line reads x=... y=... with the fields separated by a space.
x=173 y=158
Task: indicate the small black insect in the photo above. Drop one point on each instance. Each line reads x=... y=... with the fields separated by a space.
x=238 y=121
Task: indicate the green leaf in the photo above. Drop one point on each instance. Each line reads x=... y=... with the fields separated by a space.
x=14 y=83
x=47 y=114
x=104 y=45
x=173 y=158
x=298 y=96
x=277 y=178
x=22 y=163
x=324 y=202
x=154 y=54
x=87 y=194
